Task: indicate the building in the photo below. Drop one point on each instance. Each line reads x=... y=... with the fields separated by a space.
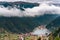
x=41 y=32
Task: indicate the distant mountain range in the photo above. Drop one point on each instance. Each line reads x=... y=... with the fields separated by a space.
x=21 y=4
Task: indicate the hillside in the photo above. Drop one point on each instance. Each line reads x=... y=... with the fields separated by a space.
x=24 y=24
x=54 y=26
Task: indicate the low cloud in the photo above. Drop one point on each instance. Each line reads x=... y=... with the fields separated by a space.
x=42 y=9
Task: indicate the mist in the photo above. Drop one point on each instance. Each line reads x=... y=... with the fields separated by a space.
x=42 y=9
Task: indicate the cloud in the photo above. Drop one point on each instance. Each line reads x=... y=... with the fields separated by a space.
x=42 y=9
x=10 y=0
x=10 y=12
x=30 y=0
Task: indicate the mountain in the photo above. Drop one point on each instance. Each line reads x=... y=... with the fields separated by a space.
x=54 y=26
x=19 y=4
x=54 y=23
x=24 y=24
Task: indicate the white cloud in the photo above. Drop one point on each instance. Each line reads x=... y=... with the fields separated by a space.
x=42 y=9
x=35 y=11
x=11 y=0
x=10 y=12
x=29 y=0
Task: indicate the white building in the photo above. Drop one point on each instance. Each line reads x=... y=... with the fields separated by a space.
x=42 y=32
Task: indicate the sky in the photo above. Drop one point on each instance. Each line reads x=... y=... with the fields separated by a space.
x=30 y=0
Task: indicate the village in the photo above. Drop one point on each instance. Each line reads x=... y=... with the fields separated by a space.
x=39 y=33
